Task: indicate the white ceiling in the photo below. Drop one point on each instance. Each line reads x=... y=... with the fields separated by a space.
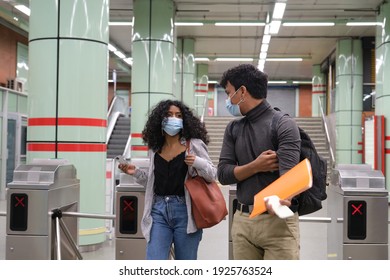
x=314 y=44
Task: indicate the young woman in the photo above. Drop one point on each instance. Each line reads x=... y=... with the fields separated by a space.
x=167 y=217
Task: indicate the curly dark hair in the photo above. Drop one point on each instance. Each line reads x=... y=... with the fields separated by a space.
x=192 y=126
x=249 y=76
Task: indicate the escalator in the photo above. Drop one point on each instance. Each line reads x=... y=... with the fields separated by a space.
x=119 y=137
x=118 y=129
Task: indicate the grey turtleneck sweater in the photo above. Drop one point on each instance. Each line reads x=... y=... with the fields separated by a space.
x=246 y=138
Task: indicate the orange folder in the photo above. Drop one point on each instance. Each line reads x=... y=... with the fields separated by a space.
x=293 y=182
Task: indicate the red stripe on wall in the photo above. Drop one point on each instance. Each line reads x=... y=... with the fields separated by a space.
x=319 y=85
x=360 y=152
x=136 y=135
x=67 y=122
x=387 y=138
x=139 y=148
x=108 y=174
x=387 y=151
x=201 y=90
x=41 y=121
x=360 y=143
x=66 y=147
x=201 y=85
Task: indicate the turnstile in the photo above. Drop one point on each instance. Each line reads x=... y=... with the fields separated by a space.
x=130 y=244
x=232 y=210
x=358 y=207
x=36 y=190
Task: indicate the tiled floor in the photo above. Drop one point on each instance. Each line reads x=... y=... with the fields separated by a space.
x=214 y=244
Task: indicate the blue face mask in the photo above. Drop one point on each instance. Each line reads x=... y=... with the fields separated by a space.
x=172 y=125
x=233 y=109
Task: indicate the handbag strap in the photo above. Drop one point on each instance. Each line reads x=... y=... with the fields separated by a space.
x=188 y=142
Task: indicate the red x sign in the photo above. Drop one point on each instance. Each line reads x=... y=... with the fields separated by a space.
x=20 y=201
x=128 y=205
x=356 y=209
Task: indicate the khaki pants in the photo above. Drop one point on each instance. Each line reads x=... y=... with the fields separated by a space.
x=265 y=237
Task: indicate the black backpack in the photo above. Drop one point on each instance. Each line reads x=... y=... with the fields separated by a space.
x=311 y=199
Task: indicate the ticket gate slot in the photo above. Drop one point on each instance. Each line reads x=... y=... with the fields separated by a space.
x=36 y=190
x=358 y=207
x=130 y=243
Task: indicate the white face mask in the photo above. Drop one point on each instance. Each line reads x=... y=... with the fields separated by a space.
x=233 y=109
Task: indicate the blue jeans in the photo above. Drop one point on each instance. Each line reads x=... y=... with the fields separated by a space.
x=169 y=226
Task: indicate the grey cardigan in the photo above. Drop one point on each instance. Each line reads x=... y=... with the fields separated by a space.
x=203 y=165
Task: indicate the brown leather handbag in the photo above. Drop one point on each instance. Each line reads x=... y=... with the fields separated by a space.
x=208 y=203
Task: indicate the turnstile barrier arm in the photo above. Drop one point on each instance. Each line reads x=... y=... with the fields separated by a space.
x=57 y=215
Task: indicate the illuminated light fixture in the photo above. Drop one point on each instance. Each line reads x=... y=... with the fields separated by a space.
x=264 y=48
x=266 y=39
x=120 y=23
x=212 y=82
x=202 y=59
x=266 y=29
x=263 y=55
x=278 y=10
x=308 y=24
x=277 y=82
x=25 y=10
x=128 y=60
x=110 y=81
x=261 y=64
x=363 y=23
x=119 y=54
x=233 y=59
x=111 y=48
x=302 y=82
x=239 y=24
x=285 y=59
x=275 y=26
x=188 y=23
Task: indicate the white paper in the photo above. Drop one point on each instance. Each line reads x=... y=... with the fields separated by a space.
x=282 y=211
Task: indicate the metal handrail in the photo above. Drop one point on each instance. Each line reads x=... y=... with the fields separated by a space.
x=14 y=91
x=204 y=107
x=110 y=127
x=111 y=106
x=332 y=158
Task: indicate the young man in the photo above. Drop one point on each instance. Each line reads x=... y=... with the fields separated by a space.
x=248 y=160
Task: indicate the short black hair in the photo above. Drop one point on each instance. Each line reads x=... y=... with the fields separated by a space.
x=192 y=126
x=249 y=76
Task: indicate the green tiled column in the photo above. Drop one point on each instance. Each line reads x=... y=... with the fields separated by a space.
x=318 y=91
x=382 y=84
x=185 y=71
x=349 y=105
x=68 y=96
x=152 y=70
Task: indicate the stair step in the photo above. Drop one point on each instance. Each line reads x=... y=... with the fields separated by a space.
x=313 y=127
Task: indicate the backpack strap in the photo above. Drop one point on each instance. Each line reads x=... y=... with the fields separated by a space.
x=274 y=122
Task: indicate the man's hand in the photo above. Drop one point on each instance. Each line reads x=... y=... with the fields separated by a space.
x=286 y=202
x=266 y=161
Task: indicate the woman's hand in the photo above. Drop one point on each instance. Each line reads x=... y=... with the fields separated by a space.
x=189 y=160
x=127 y=168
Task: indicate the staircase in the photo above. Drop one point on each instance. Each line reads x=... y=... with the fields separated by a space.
x=312 y=125
x=117 y=143
x=216 y=128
